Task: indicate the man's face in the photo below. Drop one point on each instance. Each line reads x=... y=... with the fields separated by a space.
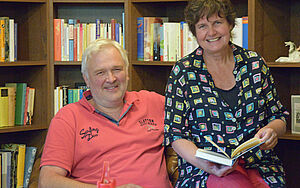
x=108 y=77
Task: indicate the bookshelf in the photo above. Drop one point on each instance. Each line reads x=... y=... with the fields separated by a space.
x=271 y=23
x=32 y=66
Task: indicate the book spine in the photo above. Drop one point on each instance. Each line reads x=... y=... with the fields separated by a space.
x=16 y=42
x=117 y=32
x=245 y=32
x=3 y=106
x=161 y=33
x=57 y=39
x=98 y=30
x=123 y=29
x=70 y=96
x=29 y=160
x=75 y=42
x=6 y=37
x=11 y=40
x=140 y=38
x=26 y=106
x=20 y=165
x=2 y=40
x=156 y=41
x=71 y=39
x=113 y=26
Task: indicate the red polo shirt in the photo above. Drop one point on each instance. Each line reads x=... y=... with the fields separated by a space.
x=80 y=139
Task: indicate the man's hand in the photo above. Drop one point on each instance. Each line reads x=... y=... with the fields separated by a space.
x=129 y=186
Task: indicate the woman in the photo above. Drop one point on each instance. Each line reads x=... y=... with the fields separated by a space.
x=227 y=93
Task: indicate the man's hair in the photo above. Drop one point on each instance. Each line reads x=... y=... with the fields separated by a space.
x=97 y=46
x=197 y=9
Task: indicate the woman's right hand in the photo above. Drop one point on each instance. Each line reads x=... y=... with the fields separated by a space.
x=217 y=169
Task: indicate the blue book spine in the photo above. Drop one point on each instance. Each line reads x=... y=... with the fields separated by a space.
x=71 y=39
x=29 y=160
x=140 y=38
x=98 y=28
x=70 y=96
x=245 y=32
x=80 y=93
x=123 y=28
x=117 y=33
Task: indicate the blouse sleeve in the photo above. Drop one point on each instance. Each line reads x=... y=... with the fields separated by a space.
x=274 y=108
x=176 y=106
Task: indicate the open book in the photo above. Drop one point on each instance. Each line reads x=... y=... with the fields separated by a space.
x=223 y=158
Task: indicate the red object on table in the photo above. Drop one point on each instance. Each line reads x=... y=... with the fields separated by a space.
x=106 y=181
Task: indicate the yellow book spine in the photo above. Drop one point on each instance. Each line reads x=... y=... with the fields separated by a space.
x=3 y=106
x=20 y=165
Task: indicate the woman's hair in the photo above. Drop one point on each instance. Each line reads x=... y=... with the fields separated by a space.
x=97 y=46
x=197 y=9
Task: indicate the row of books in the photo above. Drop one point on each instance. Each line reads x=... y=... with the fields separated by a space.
x=72 y=37
x=16 y=162
x=8 y=39
x=16 y=104
x=64 y=95
x=160 y=40
x=240 y=32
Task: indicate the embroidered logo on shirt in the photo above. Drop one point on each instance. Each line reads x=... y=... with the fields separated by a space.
x=89 y=133
x=149 y=124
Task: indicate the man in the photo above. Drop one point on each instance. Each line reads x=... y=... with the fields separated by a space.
x=107 y=124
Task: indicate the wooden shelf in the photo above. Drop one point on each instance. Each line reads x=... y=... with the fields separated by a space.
x=23 y=63
x=88 y=1
x=283 y=64
x=22 y=128
x=67 y=63
x=153 y=63
x=289 y=136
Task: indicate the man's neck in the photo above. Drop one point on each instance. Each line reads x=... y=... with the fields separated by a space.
x=114 y=110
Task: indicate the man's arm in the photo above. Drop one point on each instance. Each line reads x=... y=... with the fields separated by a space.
x=53 y=176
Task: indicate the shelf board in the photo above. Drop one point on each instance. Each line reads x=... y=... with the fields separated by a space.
x=21 y=128
x=153 y=63
x=152 y=1
x=23 y=63
x=25 y=1
x=88 y=1
x=67 y=63
x=289 y=136
x=283 y=64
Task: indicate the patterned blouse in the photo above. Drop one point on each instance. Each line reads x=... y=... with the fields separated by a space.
x=195 y=109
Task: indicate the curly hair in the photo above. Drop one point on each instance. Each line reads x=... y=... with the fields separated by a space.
x=197 y=9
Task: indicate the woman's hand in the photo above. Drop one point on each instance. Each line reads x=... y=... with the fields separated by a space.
x=217 y=169
x=268 y=135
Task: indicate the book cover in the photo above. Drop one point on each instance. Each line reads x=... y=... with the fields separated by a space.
x=140 y=38
x=2 y=40
x=29 y=160
x=57 y=39
x=237 y=32
x=6 y=168
x=20 y=101
x=30 y=106
x=26 y=105
x=7 y=106
x=6 y=37
x=156 y=42
x=71 y=39
x=245 y=32
x=16 y=42
x=222 y=157
x=98 y=28
x=11 y=40
x=14 y=149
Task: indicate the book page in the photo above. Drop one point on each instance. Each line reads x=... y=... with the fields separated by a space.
x=214 y=144
x=246 y=146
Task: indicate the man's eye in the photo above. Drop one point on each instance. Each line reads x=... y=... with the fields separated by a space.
x=99 y=73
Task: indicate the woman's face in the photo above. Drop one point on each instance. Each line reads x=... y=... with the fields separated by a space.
x=213 y=34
